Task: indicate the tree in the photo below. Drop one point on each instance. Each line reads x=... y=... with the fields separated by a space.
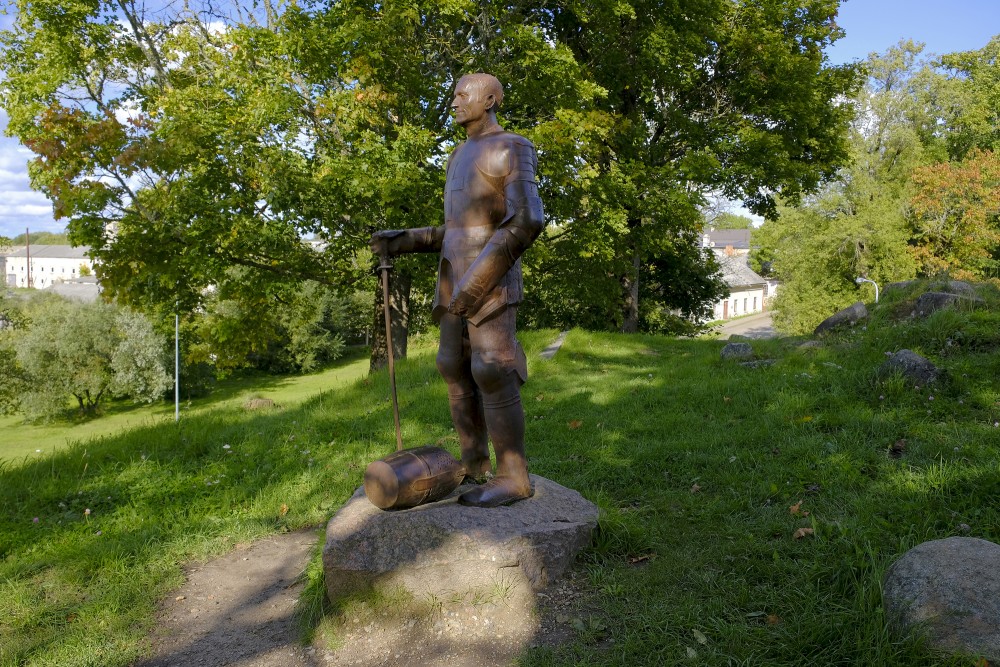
x=85 y=351
x=183 y=143
x=856 y=225
x=955 y=216
x=40 y=238
x=728 y=220
x=280 y=333
x=969 y=99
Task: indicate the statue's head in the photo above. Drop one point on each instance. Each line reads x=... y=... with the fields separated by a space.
x=477 y=96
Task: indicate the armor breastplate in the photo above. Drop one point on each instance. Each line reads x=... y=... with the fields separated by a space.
x=474 y=207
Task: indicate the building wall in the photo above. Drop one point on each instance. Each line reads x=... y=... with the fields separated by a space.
x=742 y=301
x=44 y=270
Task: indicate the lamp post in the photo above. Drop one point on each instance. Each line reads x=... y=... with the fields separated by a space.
x=860 y=280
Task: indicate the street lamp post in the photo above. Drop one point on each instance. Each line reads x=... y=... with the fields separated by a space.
x=860 y=280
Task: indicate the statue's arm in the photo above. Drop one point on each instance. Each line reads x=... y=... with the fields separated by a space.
x=522 y=224
x=402 y=241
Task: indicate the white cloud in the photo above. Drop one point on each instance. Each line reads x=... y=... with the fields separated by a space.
x=20 y=207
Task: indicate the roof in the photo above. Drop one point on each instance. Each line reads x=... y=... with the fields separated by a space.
x=735 y=270
x=720 y=238
x=53 y=251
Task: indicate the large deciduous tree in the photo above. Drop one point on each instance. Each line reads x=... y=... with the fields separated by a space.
x=186 y=141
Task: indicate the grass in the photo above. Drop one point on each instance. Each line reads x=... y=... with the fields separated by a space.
x=694 y=462
x=21 y=440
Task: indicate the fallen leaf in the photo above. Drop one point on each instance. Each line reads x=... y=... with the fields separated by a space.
x=284 y=509
x=691 y=653
x=802 y=532
x=540 y=397
x=797 y=510
x=640 y=559
x=773 y=619
x=982 y=662
x=807 y=418
x=699 y=635
x=179 y=598
x=726 y=399
x=695 y=488
x=756 y=614
x=575 y=424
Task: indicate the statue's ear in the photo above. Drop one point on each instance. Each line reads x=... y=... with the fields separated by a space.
x=491 y=102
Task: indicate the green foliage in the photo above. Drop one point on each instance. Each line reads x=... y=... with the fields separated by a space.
x=178 y=150
x=955 y=217
x=281 y=333
x=728 y=220
x=37 y=238
x=901 y=208
x=87 y=351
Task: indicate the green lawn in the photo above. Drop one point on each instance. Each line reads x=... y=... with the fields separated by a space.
x=694 y=462
x=19 y=440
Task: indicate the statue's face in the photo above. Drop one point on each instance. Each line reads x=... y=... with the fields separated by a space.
x=469 y=104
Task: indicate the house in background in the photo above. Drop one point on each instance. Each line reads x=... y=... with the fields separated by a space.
x=748 y=291
x=42 y=266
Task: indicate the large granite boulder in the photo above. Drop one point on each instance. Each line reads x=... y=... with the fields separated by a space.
x=930 y=302
x=912 y=366
x=850 y=315
x=737 y=351
x=447 y=549
x=950 y=590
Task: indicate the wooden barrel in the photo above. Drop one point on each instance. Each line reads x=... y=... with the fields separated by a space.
x=412 y=477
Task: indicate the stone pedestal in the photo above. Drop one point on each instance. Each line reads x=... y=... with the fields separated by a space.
x=445 y=548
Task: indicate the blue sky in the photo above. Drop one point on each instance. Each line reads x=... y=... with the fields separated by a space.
x=871 y=25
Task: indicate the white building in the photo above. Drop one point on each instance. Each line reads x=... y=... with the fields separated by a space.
x=748 y=291
x=41 y=266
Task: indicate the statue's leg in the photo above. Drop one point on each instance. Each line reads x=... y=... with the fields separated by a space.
x=499 y=369
x=454 y=364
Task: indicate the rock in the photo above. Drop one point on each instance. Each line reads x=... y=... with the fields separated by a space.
x=760 y=363
x=912 y=366
x=259 y=404
x=810 y=345
x=737 y=351
x=954 y=287
x=902 y=285
x=446 y=549
x=930 y=302
x=850 y=315
x=949 y=589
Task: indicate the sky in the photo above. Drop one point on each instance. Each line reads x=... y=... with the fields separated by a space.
x=871 y=25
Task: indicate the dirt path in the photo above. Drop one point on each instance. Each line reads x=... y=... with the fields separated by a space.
x=238 y=611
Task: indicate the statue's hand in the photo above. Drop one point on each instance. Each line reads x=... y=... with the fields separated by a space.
x=463 y=303
x=382 y=244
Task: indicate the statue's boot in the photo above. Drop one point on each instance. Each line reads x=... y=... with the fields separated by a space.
x=470 y=423
x=506 y=428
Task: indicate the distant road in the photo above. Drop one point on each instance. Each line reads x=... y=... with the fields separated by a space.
x=754 y=326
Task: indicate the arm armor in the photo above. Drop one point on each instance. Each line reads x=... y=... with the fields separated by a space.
x=421 y=239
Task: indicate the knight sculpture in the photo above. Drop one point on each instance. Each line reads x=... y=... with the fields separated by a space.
x=492 y=213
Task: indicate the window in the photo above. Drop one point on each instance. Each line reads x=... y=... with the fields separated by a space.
x=755 y=303
x=744 y=305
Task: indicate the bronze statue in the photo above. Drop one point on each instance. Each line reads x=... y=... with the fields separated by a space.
x=492 y=214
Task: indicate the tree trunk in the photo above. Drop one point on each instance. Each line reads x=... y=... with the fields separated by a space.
x=400 y=282
x=630 y=295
